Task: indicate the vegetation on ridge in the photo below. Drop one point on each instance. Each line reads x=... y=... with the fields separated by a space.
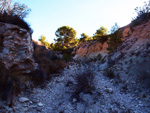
x=14 y=14
x=143 y=14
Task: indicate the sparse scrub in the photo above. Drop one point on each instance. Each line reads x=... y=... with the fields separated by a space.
x=39 y=77
x=14 y=14
x=115 y=38
x=66 y=57
x=5 y=18
x=84 y=84
x=103 y=39
x=143 y=14
x=99 y=57
x=47 y=60
x=109 y=73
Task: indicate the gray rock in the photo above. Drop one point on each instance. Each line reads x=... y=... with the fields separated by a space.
x=40 y=104
x=23 y=99
x=109 y=90
x=34 y=100
x=33 y=106
x=39 y=109
x=6 y=50
x=28 y=71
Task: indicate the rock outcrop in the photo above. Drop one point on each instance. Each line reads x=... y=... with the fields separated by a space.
x=133 y=39
x=90 y=50
x=136 y=43
x=16 y=49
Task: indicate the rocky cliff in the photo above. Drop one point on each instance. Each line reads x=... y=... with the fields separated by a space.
x=132 y=37
x=90 y=50
x=16 y=50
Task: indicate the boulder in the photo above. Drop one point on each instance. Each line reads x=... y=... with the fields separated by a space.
x=16 y=49
x=23 y=99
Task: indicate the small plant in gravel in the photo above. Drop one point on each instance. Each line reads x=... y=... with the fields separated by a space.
x=85 y=83
x=110 y=73
x=98 y=57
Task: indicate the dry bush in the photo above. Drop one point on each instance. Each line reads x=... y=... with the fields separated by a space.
x=15 y=20
x=143 y=14
x=85 y=83
x=109 y=73
x=47 y=60
x=39 y=77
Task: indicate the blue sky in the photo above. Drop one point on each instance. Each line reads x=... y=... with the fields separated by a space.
x=85 y=16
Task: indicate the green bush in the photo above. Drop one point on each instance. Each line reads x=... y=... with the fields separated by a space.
x=115 y=38
x=99 y=57
x=103 y=39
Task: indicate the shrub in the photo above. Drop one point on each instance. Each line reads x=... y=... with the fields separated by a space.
x=143 y=14
x=84 y=84
x=99 y=57
x=15 y=20
x=109 y=73
x=103 y=39
x=39 y=77
x=14 y=14
x=16 y=9
x=66 y=57
x=115 y=38
x=47 y=60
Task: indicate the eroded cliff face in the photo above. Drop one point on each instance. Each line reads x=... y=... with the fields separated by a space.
x=136 y=43
x=90 y=50
x=16 y=49
x=133 y=40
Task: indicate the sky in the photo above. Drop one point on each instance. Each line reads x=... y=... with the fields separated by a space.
x=85 y=16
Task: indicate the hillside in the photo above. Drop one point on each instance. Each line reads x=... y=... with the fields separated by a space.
x=115 y=82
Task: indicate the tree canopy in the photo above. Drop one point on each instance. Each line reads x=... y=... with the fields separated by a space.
x=84 y=37
x=65 y=36
x=101 y=34
x=44 y=41
x=115 y=38
x=102 y=31
x=114 y=28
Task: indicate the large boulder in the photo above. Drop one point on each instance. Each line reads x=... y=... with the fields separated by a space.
x=16 y=50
